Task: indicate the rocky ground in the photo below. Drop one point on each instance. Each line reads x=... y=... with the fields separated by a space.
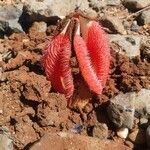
x=33 y=116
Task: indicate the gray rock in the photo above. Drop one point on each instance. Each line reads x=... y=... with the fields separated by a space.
x=137 y=136
x=10 y=12
x=14 y=25
x=148 y=136
x=136 y=4
x=144 y=18
x=121 y=110
x=123 y=107
x=9 y=17
x=6 y=142
x=127 y=44
x=47 y=10
x=100 y=131
x=113 y=2
x=114 y=24
x=97 y=4
x=142 y=103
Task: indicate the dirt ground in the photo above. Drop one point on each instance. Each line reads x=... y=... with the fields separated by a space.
x=30 y=105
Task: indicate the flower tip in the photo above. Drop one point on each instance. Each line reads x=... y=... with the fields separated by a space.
x=85 y=24
x=65 y=28
x=78 y=30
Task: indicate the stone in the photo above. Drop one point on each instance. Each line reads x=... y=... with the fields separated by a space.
x=134 y=26
x=100 y=131
x=113 y=2
x=123 y=133
x=144 y=18
x=136 y=4
x=114 y=24
x=14 y=26
x=6 y=143
x=143 y=121
x=9 y=18
x=65 y=140
x=128 y=45
x=49 y=10
x=142 y=103
x=77 y=129
x=148 y=136
x=7 y=55
x=97 y=4
x=137 y=136
x=121 y=110
x=139 y=103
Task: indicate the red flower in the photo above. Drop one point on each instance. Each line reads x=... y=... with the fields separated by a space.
x=92 y=53
x=56 y=60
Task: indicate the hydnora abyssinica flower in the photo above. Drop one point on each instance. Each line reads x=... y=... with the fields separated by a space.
x=92 y=51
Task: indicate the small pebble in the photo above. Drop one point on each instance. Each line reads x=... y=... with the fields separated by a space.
x=134 y=26
x=77 y=128
x=121 y=110
x=113 y=2
x=123 y=133
x=143 y=121
x=7 y=56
